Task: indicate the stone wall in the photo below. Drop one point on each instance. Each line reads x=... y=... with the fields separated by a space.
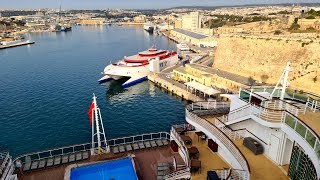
x=257 y=57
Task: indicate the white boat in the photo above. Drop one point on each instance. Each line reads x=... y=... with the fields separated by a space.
x=149 y=27
x=137 y=67
x=183 y=47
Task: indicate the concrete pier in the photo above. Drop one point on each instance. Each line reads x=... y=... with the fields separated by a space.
x=173 y=87
x=16 y=44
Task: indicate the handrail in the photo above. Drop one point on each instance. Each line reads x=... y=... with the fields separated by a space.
x=222 y=137
x=184 y=146
x=84 y=145
x=240 y=130
x=177 y=173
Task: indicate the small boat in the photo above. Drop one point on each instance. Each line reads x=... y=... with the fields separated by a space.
x=149 y=27
x=136 y=68
x=183 y=47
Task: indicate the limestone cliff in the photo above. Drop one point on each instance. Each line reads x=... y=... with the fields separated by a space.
x=265 y=58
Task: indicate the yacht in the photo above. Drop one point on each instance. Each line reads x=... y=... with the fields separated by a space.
x=137 y=67
x=149 y=27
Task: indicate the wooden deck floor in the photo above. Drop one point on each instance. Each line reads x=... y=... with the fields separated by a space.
x=312 y=119
x=260 y=166
x=209 y=160
x=146 y=164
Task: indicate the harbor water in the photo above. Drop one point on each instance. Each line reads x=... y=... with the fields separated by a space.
x=46 y=89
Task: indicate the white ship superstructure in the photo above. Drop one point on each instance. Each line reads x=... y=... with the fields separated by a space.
x=267 y=132
x=139 y=66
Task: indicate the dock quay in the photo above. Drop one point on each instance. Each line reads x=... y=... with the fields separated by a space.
x=16 y=44
x=173 y=86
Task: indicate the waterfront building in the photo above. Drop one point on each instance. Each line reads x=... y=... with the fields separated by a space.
x=194 y=38
x=192 y=21
x=140 y=19
x=211 y=77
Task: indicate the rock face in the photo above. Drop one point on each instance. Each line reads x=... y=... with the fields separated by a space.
x=264 y=59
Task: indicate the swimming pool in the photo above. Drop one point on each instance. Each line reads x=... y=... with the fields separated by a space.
x=111 y=170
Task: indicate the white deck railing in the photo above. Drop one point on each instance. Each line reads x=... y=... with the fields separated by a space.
x=88 y=146
x=184 y=149
x=222 y=138
x=6 y=165
x=179 y=174
x=234 y=135
x=209 y=105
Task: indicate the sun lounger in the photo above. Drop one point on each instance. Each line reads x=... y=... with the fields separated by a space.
x=57 y=160
x=85 y=155
x=159 y=142
x=165 y=142
x=129 y=147
x=153 y=143
x=141 y=145
x=72 y=157
x=115 y=150
x=135 y=146
x=78 y=156
x=34 y=165
x=27 y=166
x=147 y=144
x=65 y=159
x=121 y=148
x=42 y=163
x=50 y=162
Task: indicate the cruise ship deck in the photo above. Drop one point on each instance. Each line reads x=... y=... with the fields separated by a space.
x=261 y=167
x=145 y=163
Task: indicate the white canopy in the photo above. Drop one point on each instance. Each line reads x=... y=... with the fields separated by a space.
x=205 y=89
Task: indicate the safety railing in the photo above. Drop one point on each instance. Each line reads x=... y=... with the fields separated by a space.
x=208 y=105
x=221 y=137
x=223 y=173
x=88 y=146
x=313 y=104
x=5 y=165
x=229 y=132
x=304 y=131
x=179 y=174
x=184 y=148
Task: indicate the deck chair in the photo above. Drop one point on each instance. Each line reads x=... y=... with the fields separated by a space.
x=147 y=144
x=141 y=145
x=34 y=165
x=165 y=142
x=85 y=155
x=42 y=163
x=27 y=165
x=121 y=149
x=115 y=150
x=128 y=147
x=50 y=162
x=65 y=159
x=159 y=142
x=78 y=156
x=72 y=157
x=135 y=146
x=153 y=143
x=57 y=160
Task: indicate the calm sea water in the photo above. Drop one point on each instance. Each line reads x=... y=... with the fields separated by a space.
x=46 y=89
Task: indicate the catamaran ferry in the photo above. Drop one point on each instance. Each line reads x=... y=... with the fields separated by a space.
x=136 y=68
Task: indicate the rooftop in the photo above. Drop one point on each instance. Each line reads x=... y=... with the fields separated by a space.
x=190 y=33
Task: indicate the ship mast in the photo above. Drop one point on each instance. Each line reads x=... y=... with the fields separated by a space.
x=283 y=80
x=98 y=133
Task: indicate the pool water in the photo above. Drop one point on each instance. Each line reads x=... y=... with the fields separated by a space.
x=111 y=170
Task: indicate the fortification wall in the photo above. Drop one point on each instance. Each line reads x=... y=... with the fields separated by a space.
x=264 y=59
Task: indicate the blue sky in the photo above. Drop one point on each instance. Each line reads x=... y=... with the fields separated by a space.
x=133 y=4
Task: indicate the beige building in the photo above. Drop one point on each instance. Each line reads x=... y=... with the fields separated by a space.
x=194 y=38
x=178 y=24
x=192 y=21
x=309 y=23
x=92 y=21
x=140 y=19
